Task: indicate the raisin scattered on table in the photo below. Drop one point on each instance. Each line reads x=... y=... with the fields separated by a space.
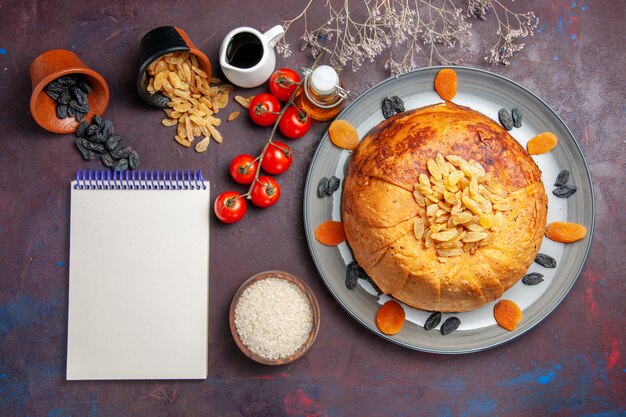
x=564 y=191
x=505 y=119
x=533 y=278
x=546 y=261
x=450 y=325
x=100 y=137
x=433 y=321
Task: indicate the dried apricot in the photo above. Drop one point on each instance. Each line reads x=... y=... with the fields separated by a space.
x=507 y=314
x=542 y=143
x=390 y=317
x=343 y=134
x=445 y=84
x=565 y=232
x=330 y=233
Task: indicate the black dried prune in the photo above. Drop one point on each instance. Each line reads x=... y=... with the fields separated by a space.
x=433 y=321
x=562 y=178
x=321 y=187
x=113 y=141
x=450 y=325
x=81 y=130
x=564 y=191
x=84 y=152
x=546 y=261
x=62 y=111
x=352 y=274
x=516 y=115
x=333 y=185
x=120 y=165
x=133 y=159
x=119 y=153
x=533 y=278
x=107 y=160
x=505 y=119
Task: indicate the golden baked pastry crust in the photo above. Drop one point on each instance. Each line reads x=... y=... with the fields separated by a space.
x=379 y=210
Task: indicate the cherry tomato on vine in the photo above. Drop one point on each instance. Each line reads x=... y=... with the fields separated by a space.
x=264 y=109
x=277 y=158
x=294 y=123
x=230 y=206
x=265 y=191
x=243 y=167
x=283 y=83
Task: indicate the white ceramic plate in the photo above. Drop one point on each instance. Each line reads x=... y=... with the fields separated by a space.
x=487 y=93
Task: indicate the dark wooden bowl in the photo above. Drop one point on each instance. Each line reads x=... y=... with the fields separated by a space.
x=315 y=309
x=51 y=65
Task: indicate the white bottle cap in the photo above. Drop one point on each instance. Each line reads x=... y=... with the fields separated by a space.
x=324 y=80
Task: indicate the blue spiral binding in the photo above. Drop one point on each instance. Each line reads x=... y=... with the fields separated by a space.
x=139 y=180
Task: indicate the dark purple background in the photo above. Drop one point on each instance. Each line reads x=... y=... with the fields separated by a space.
x=571 y=364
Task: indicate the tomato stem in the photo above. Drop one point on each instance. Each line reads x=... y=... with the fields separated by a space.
x=275 y=126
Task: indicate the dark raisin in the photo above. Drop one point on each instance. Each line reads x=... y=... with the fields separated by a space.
x=450 y=325
x=321 y=187
x=92 y=130
x=97 y=147
x=108 y=129
x=564 y=191
x=119 y=153
x=352 y=274
x=562 y=178
x=398 y=104
x=62 y=111
x=505 y=119
x=113 y=141
x=79 y=95
x=97 y=120
x=79 y=115
x=432 y=321
x=71 y=111
x=84 y=84
x=65 y=98
x=80 y=107
x=133 y=159
x=107 y=160
x=333 y=185
x=54 y=86
x=67 y=80
x=81 y=130
x=53 y=94
x=120 y=165
x=516 y=114
x=84 y=152
x=533 y=278
x=387 y=108
x=97 y=137
x=546 y=261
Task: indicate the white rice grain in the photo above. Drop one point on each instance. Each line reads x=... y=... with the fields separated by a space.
x=273 y=318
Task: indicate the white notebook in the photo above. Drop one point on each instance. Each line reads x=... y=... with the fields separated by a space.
x=138 y=276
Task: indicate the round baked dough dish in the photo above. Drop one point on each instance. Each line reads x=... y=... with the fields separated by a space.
x=442 y=208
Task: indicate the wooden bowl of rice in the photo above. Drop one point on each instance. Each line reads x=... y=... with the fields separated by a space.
x=274 y=318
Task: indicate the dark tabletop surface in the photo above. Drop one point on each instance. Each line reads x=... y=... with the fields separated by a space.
x=571 y=364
